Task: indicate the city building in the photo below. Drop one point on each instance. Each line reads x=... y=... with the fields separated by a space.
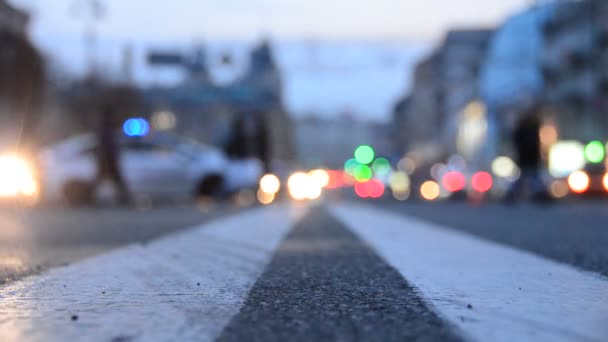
x=445 y=83
x=22 y=78
x=575 y=68
x=11 y=19
x=207 y=111
x=511 y=80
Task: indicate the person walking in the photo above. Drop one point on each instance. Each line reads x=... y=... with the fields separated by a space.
x=526 y=140
x=108 y=155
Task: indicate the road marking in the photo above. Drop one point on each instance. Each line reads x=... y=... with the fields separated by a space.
x=514 y=295
x=149 y=292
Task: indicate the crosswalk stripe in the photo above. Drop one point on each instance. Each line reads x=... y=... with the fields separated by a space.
x=182 y=287
x=489 y=291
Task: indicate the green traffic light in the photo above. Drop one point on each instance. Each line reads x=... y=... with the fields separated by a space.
x=350 y=166
x=364 y=154
x=595 y=152
x=362 y=173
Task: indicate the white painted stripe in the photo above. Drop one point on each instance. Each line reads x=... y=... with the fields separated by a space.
x=151 y=291
x=515 y=295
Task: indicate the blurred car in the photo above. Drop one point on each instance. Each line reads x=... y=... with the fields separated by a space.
x=163 y=166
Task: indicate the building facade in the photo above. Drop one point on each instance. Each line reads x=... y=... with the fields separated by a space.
x=207 y=111
x=429 y=118
x=575 y=68
x=22 y=78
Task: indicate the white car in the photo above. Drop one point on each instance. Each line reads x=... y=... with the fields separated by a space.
x=159 y=166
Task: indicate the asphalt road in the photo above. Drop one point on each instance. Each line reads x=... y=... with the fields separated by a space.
x=572 y=232
x=325 y=284
x=32 y=240
x=323 y=281
x=35 y=239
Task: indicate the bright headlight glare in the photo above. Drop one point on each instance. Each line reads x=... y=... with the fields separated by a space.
x=270 y=184
x=302 y=186
x=579 y=182
x=16 y=177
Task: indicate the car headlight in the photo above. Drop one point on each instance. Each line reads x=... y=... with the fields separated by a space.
x=302 y=186
x=579 y=182
x=16 y=177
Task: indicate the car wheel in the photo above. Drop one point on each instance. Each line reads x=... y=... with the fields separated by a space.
x=211 y=186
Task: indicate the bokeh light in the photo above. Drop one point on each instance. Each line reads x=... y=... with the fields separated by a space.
x=362 y=173
x=399 y=181
x=401 y=196
x=270 y=184
x=559 y=189
x=566 y=157
x=336 y=179
x=430 y=190
x=579 y=182
x=381 y=167
x=136 y=127
x=370 y=189
x=363 y=189
x=457 y=163
x=505 y=167
x=481 y=182
x=548 y=134
x=453 y=181
x=438 y=170
x=594 y=152
x=265 y=198
x=364 y=154
x=320 y=177
x=163 y=120
x=350 y=166
x=605 y=181
x=378 y=188
x=16 y=177
x=407 y=165
x=302 y=187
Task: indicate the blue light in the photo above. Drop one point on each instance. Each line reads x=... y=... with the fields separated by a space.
x=136 y=127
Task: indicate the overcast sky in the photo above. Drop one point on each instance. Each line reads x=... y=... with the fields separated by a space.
x=170 y=19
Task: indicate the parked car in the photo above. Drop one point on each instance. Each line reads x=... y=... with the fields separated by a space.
x=160 y=165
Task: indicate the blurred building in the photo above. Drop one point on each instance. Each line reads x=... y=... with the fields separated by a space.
x=445 y=83
x=417 y=117
x=22 y=77
x=511 y=80
x=207 y=111
x=575 y=68
x=11 y=19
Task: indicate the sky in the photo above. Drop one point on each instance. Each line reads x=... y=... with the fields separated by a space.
x=401 y=31
x=169 y=19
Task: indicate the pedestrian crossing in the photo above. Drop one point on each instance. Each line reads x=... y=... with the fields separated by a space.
x=198 y=284
x=491 y=292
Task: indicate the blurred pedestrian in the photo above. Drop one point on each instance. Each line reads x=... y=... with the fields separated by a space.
x=526 y=140
x=249 y=138
x=108 y=155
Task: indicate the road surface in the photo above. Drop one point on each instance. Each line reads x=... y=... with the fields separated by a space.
x=382 y=271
